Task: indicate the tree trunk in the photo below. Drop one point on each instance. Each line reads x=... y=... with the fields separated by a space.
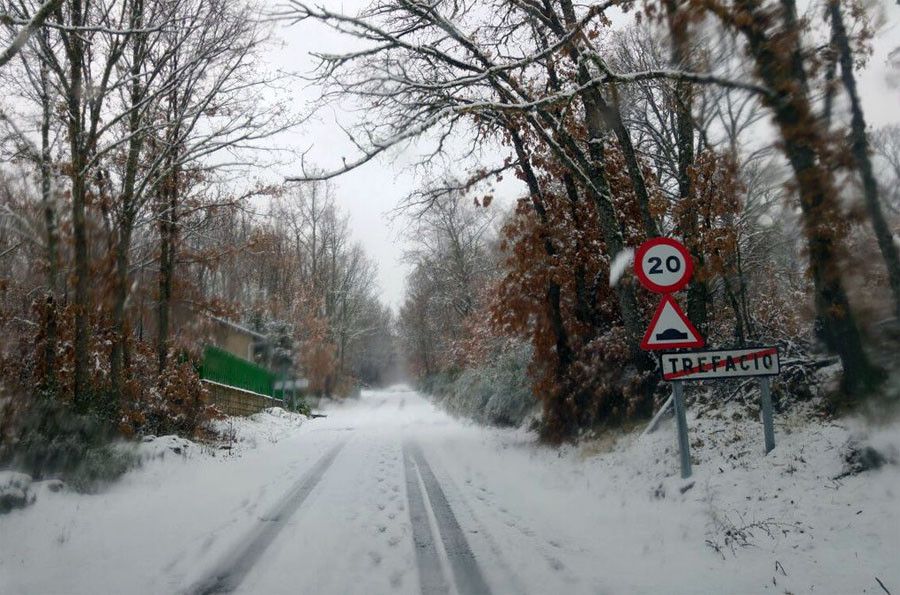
x=748 y=323
x=584 y=307
x=82 y=298
x=698 y=291
x=597 y=122
x=638 y=182
x=119 y=352
x=48 y=203
x=739 y=333
x=783 y=72
x=167 y=229
x=120 y=297
x=76 y=132
x=167 y=197
x=557 y=325
x=610 y=226
x=861 y=150
x=611 y=116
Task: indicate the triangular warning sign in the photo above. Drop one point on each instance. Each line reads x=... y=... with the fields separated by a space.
x=670 y=328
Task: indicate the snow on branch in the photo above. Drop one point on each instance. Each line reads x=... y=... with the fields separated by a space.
x=28 y=27
x=422 y=200
x=377 y=147
x=421 y=69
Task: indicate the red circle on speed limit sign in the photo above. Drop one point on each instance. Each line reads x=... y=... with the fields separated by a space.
x=663 y=265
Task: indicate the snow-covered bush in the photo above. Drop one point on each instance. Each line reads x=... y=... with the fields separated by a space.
x=512 y=398
x=177 y=403
x=470 y=393
x=497 y=393
x=146 y=401
x=298 y=404
x=439 y=384
x=52 y=441
x=15 y=491
x=99 y=466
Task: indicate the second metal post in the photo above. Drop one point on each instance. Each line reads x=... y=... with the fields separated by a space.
x=684 y=445
x=768 y=424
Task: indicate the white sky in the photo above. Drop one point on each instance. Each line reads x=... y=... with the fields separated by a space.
x=369 y=193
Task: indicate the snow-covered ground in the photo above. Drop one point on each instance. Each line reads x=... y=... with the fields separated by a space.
x=608 y=517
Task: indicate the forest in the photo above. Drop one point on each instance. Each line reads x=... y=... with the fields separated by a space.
x=135 y=214
x=737 y=127
x=136 y=205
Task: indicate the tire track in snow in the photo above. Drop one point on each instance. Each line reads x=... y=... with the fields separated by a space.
x=232 y=569
x=466 y=572
x=431 y=576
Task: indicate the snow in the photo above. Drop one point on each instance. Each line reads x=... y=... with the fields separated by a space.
x=609 y=516
x=619 y=265
x=618 y=521
x=12 y=481
x=15 y=490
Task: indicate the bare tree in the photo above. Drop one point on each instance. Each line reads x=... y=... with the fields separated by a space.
x=457 y=78
x=860 y=148
x=90 y=47
x=886 y=146
x=27 y=27
x=207 y=102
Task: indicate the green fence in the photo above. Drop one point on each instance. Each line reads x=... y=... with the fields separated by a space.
x=225 y=368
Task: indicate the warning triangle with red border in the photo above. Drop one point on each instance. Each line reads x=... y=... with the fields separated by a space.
x=670 y=328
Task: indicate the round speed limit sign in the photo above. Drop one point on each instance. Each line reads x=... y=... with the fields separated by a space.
x=663 y=265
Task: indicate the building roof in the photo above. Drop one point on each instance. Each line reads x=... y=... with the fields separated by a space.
x=239 y=328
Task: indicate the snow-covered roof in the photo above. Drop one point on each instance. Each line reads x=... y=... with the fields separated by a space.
x=295 y=384
x=240 y=328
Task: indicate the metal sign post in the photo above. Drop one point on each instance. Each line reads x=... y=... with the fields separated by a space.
x=684 y=445
x=761 y=362
x=663 y=265
x=768 y=424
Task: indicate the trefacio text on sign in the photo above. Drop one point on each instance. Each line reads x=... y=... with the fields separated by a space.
x=731 y=363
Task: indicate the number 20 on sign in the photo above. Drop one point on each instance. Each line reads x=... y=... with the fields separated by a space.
x=663 y=265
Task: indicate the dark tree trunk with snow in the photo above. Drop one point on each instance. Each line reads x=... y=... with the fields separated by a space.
x=698 y=297
x=51 y=230
x=861 y=154
x=561 y=335
x=780 y=65
x=75 y=50
x=168 y=200
x=128 y=207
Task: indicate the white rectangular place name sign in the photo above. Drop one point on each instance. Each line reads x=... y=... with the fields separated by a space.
x=730 y=363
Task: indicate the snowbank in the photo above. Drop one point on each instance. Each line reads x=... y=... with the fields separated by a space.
x=15 y=490
x=268 y=426
x=802 y=519
x=819 y=514
x=145 y=532
x=498 y=393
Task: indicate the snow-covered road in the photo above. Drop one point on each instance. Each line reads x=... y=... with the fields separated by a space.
x=390 y=495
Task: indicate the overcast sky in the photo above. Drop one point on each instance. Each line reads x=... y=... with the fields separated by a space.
x=371 y=192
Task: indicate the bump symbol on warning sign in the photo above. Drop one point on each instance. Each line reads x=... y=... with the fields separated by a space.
x=670 y=328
